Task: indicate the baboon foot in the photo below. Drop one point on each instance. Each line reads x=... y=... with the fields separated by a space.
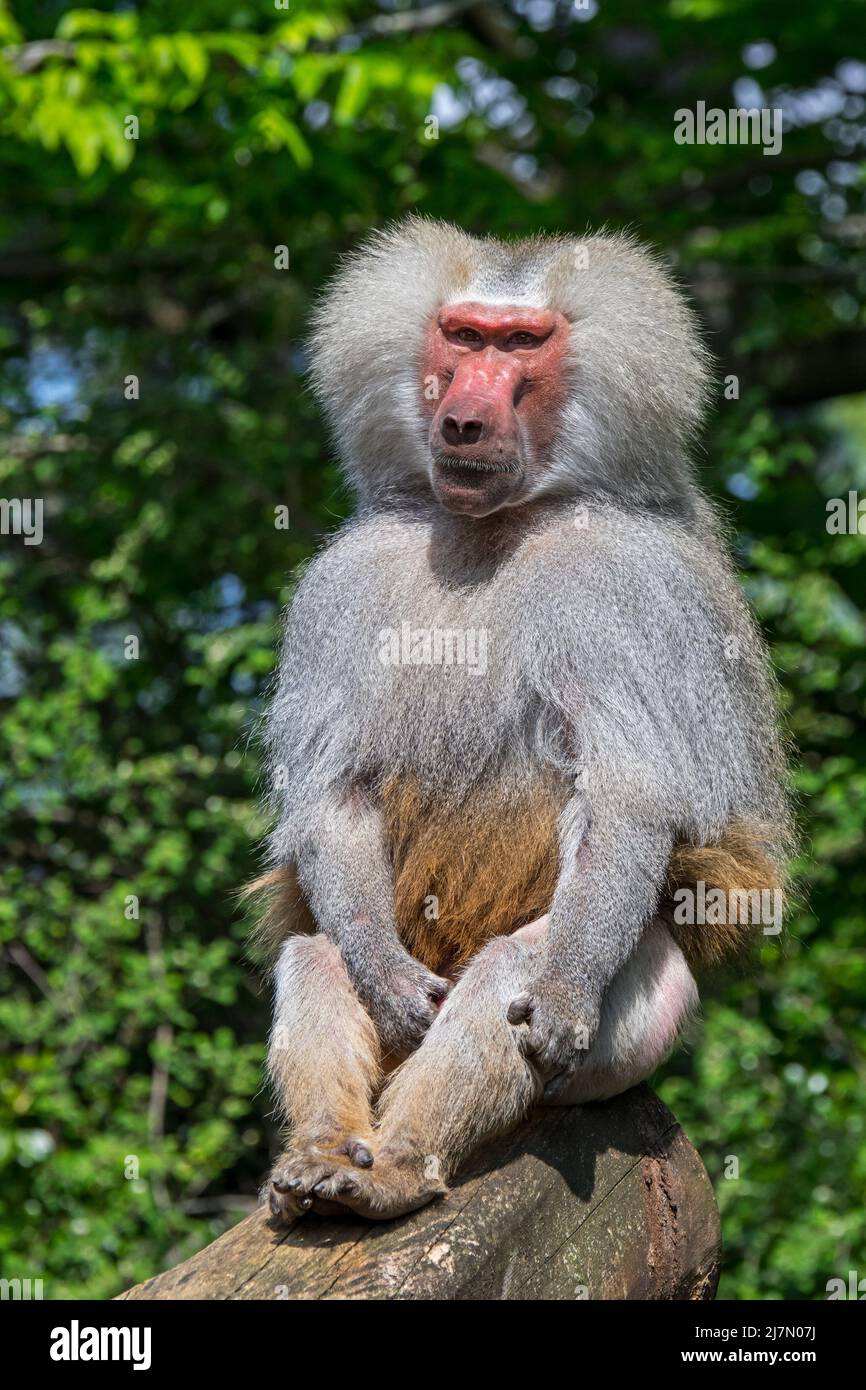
x=306 y=1166
x=397 y=1183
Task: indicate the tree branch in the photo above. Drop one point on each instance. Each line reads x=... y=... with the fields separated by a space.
x=27 y=57
x=410 y=21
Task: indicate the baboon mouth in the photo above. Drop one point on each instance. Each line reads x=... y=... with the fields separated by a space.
x=475 y=485
x=474 y=468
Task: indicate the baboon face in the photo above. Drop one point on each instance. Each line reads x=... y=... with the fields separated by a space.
x=481 y=375
x=493 y=390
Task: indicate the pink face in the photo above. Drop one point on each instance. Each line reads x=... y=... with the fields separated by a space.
x=500 y=371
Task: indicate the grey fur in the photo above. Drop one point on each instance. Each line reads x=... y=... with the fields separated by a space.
x=610 y=607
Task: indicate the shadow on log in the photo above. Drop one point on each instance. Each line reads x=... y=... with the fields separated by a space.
x=596 y=1202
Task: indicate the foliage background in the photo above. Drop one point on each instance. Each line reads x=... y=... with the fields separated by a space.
x=134 y=1045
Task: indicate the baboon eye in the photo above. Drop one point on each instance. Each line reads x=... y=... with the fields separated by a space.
x=470 y=336
x=522 y=339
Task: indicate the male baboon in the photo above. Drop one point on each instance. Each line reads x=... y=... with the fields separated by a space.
x=520 y=704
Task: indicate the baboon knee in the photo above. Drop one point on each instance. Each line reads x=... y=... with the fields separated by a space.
x=307 y=953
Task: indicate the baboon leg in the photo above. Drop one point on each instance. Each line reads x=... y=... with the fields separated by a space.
x=469 y=1080
x=323 y=1060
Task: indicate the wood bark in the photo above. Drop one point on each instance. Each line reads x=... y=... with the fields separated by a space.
x=595 y=1202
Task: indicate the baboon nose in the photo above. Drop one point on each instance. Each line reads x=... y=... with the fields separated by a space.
x=455 y=431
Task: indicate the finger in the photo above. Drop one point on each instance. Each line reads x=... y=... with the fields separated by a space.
x=438 y=991
x=548 y=1051
x=417 y=1015
x=423 y=1016
x=520 y=1009
x=557 y=1085
x=534 y=1043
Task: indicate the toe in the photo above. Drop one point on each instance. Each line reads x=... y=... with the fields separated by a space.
x=283 y=1206
x=338 y=1185
x=284 y=1184
x=359 y=1153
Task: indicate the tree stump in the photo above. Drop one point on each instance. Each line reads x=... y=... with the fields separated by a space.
x=597 y=1202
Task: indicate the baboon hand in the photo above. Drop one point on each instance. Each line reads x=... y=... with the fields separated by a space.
x=560 y=1026
x=404 y=1002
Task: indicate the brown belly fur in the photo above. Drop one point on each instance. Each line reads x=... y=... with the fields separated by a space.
x=465 y=874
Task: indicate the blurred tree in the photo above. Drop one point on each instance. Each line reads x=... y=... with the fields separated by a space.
x=173 y=197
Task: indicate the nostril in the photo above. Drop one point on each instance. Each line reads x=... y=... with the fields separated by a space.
x=456 y=431
x=451 y=430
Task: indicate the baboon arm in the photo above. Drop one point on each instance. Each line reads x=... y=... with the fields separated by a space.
x=344 y=870
x=612 y=869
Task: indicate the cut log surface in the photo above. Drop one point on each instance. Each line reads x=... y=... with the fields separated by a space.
x=595 y=1202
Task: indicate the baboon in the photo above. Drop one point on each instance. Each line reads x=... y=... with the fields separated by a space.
x=520 y=706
